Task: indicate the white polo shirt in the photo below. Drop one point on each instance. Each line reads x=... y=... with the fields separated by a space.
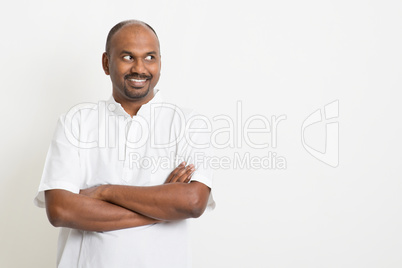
x=101 y=144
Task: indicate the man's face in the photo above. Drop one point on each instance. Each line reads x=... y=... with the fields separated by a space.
x=133 y=63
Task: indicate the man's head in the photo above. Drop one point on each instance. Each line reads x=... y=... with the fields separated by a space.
x=133 y=60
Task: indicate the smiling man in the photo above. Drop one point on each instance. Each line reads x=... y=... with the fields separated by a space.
x=113 y=211
x=133 y=61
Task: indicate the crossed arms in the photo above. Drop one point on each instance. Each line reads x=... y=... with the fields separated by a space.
x=113 y=207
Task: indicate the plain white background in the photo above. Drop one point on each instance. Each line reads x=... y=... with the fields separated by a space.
x=276 y=57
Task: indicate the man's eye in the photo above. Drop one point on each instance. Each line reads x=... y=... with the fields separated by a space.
x=127 y=57
x=149 y=57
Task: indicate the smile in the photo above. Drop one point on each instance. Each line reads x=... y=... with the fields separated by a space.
x=138 y=80
x=137 y=83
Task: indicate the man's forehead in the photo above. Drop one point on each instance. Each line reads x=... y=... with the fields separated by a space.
x=132 y=33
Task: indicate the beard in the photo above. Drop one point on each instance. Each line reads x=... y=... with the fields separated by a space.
x=136 y=93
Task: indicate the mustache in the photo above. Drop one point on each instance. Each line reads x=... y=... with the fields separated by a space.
x=137 y=76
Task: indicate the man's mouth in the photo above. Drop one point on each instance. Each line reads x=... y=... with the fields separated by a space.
x=137 y=82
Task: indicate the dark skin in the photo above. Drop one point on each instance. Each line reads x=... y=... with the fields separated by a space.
x=133 y=64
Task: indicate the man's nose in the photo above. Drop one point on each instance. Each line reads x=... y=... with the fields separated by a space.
x=138 y=67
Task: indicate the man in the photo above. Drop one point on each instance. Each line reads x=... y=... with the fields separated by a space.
x=114 y=210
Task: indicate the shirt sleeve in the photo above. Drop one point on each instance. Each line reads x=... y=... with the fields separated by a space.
x=196 y=148
x=62 y=165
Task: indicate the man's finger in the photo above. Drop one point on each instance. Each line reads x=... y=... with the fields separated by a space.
x=175 y=171
x=189 y=177
x=180 y=173
x=185 y=176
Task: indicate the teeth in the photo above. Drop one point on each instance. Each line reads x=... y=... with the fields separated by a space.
x=137 y=80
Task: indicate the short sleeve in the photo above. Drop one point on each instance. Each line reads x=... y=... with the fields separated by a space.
x=62 y=165
x=196 y=148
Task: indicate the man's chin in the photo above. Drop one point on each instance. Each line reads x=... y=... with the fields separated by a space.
x=136 y=94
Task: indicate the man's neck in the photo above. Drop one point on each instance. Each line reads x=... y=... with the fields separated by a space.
x=133 y=106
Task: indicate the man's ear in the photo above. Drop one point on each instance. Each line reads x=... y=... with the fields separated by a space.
x=105 y=63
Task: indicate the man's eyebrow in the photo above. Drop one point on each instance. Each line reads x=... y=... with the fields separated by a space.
x=129 y=53
x=125 y=52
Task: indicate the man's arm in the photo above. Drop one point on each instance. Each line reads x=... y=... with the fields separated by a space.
x=173 y=200
x=66 y=209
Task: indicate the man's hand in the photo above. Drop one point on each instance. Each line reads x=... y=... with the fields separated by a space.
x=182 y=173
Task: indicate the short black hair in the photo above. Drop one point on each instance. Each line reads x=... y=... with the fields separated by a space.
x=120 y=25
